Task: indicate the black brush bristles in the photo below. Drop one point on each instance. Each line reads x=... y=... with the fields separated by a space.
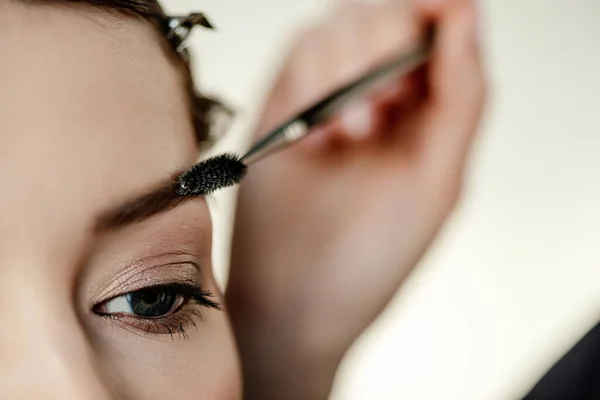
x=211 y=175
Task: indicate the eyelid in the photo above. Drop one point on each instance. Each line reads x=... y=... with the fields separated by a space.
x=187 y=291
x=101 y=308
x=172 y=323
x=176 y=267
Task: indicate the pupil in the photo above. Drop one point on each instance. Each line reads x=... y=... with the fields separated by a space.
x=152 y=302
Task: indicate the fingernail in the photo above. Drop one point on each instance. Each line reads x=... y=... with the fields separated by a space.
x=357 y=120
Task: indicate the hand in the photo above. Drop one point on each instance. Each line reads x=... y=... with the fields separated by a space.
x=327 y=231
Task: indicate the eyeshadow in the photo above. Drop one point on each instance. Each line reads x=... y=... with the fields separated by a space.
x=176 y=267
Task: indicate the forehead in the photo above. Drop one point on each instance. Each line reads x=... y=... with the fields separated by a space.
x=91 y=111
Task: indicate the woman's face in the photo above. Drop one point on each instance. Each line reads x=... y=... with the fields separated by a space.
x=93 y=114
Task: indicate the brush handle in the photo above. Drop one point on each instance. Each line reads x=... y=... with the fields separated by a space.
x=299 y=127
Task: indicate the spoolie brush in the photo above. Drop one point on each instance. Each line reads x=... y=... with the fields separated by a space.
x=211 y=175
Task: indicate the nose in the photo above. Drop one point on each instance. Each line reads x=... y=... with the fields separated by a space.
x=44 y=354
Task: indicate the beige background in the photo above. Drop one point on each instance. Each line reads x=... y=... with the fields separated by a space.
x=515 y=279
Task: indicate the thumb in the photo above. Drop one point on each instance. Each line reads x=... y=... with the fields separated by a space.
x=456 y=88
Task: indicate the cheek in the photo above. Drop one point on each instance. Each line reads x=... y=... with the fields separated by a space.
x=145 y=367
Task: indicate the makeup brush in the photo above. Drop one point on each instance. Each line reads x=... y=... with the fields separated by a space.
x=211 y=175
x=228 y=169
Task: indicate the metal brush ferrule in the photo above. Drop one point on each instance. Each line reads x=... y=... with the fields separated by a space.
x=276 y=140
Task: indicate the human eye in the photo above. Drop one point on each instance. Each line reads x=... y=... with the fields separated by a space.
x=160 y=309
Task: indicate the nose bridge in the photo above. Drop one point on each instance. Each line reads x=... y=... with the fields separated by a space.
x=44 y=353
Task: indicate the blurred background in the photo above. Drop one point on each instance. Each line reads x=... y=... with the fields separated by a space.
x=514 y=281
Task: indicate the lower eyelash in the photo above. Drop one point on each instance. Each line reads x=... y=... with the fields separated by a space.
x=173 y=324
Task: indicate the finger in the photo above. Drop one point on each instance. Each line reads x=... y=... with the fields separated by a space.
x=298 y=81
x=386 y=30
x=347 y=27
x=404 y=105
x=306 y=68
x=456 y=88
x=373 y=117
x=394 y=29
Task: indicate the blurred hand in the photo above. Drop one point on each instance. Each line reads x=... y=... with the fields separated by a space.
x=327 y=230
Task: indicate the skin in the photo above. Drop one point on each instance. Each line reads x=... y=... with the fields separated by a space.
x=325 y=234
x=92 y=113
x=327 y=231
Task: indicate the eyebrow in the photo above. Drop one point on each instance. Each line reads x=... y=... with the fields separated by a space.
x=159 y=200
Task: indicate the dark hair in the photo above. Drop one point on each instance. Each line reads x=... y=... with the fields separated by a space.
x=204 y=110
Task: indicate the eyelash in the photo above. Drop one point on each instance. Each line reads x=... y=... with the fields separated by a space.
x=176 y=320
